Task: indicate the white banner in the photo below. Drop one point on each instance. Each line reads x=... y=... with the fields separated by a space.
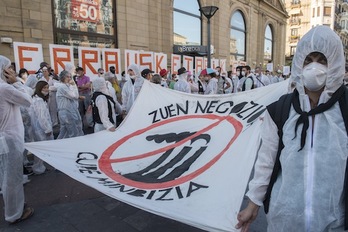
x=60 y=55
x=130 y=57
x=146 y=60
x=176 y=63
x=89 y=60
x=286 y=70
x=214 y=63
x=112 y=57
x=199 y=64
x=187 y=62
x=270 y=67
x=223 y=65
x=160 y=62
x=28 y=55
x=183 y=156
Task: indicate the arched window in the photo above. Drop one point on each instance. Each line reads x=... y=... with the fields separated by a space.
x=187 y=22
x=237 y=38
x=268 y=47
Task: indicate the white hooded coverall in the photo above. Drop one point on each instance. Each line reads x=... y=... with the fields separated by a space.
x=308 y=193
x=68 y=113
x=11 y=144
x=130 y=91
x=101 y=102
x=182 y=84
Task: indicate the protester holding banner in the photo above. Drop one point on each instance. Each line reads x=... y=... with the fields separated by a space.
x=309 y=191
x=103 y=107
x=131 y=88
x=202 y=84
x=109 y=77
x=12 y=96
x=40 y=120
x=212 y=86
x=67 y=102
x=182 y=85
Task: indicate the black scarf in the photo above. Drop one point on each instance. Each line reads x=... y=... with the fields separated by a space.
x=319 y=109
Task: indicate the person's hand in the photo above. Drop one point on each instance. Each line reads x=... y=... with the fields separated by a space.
x=10 y=75
x=72 y=82
x=247 y=216
x=82 y=97
x=124 y=114
x=112 y=129
x=49 y=133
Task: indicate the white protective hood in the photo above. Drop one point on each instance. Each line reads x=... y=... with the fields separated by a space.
x=320 y=39
x=135 y=69
x=99 y=85
x=4 y=63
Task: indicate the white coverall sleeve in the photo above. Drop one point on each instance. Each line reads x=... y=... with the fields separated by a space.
x=118 y=107
x=18 y=95
x=102 y=105
x=52 y=88
x=194 y=87
x=188 y=88
x=70 y=92
x=42 y=115
x=265 y=161
x=124 y=96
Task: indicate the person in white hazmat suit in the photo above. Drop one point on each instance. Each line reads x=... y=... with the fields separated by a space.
x=131 y=88
x=13 y=96
x=109 y=76
x=52 y=102
x=41 y=122
x=308 y=192
x=105 y=106
x=182 y=84
x=67 y=101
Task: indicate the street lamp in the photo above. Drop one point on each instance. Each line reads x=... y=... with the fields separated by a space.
x=208 y=12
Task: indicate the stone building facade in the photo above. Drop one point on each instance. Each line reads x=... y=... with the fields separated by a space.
x=143 y=25
x=341 y=24
x=305 y=14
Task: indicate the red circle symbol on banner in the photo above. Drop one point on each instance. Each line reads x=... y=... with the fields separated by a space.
x=105 y=162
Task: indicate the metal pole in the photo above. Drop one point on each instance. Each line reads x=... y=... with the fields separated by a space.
x=209 y=59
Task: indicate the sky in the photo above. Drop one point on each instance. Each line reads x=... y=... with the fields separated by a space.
x=186 y=25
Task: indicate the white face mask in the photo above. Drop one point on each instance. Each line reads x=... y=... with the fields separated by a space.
x=25 y=76
x=238 y=73
x=132 y=77
x=243 y=73
x=45 y=93
x=314 y=76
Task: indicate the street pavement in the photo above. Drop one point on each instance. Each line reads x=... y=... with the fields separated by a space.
x=63 y=204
